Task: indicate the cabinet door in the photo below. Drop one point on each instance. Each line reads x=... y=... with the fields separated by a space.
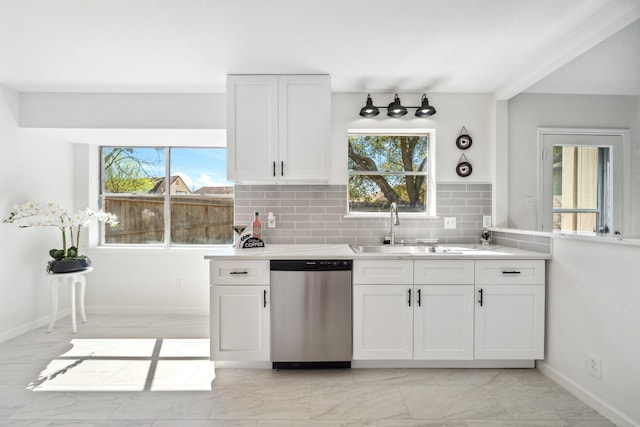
x=240 y=323
x=382 y=322
x=509 y=324
x=443 y=322
x=304 y=127
x=252 y=128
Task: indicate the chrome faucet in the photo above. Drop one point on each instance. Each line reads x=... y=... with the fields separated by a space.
x=393 y=212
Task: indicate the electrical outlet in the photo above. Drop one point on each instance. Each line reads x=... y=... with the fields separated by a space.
x=449 y=222
x=529 y=202
x=179 y=283
x=594 y=365
x=486 y=221
x=271 y=220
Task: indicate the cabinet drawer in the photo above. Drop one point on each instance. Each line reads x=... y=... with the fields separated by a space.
x=240 y=272
x=443 y=272
x=383 y=272
x=516 y=272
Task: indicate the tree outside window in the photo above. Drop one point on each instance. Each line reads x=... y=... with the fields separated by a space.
x=386 y=168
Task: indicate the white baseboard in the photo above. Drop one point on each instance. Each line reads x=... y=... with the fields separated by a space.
x=30 y=326
x=102 y=309
x=614 y=415
x=244 y=364
x=443 y=364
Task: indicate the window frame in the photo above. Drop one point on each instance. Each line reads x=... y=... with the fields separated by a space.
x=430 y=174
x=166 y=212
x=618 y=145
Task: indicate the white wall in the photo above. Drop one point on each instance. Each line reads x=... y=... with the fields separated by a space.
x=148 y=281
x=123 y=110
x=32 y=168
x=527 y=112
x=595 y=310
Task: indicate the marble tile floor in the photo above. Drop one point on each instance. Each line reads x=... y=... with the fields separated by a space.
x=153 y=371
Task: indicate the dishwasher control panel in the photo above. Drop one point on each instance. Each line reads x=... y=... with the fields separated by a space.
x=318 y=265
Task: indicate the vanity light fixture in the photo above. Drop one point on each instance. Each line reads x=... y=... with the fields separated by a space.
x=396 y=109
x=369 y=110
x=425 y=110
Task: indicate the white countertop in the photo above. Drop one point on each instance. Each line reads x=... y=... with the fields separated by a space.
x=344 y=251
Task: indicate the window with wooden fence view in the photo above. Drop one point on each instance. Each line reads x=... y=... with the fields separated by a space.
x=167 y=195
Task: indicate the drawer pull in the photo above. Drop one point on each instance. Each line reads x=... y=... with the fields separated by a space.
x=510 y=272
x=480 y=300
x=409 y=297
x=265 y=297
x=274 y=168
x=239 y=272
x=419 y=298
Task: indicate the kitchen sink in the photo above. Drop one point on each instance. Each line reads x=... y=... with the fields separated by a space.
x=392 y=249
x=411 y=249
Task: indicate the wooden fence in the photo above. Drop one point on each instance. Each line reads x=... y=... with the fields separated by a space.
x=195 y=219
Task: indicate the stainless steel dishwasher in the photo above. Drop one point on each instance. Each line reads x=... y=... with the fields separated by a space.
x=311 y=313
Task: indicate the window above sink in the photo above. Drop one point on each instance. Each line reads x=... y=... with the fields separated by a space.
x=391 y=165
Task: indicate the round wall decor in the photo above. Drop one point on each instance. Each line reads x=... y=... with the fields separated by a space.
x=464 y=140
x=463 y=169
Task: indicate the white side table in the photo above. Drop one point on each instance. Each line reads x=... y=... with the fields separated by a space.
x=71 y=278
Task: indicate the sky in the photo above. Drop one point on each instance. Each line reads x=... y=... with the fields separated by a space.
x=198 y=167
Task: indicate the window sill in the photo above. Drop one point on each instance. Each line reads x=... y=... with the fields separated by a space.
x=148 y=249
x=385 y=215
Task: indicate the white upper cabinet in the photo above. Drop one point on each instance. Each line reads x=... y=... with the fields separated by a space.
x=278 y=128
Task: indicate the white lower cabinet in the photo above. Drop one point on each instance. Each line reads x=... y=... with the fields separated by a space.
x=240 y=319
x=443 y=322
x=509 y=310
x=448 y=310
x=382 y=322
x=428 y=322
x=403 y=320
x=509 y=324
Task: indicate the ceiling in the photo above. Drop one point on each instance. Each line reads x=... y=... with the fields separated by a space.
x=447 y=46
